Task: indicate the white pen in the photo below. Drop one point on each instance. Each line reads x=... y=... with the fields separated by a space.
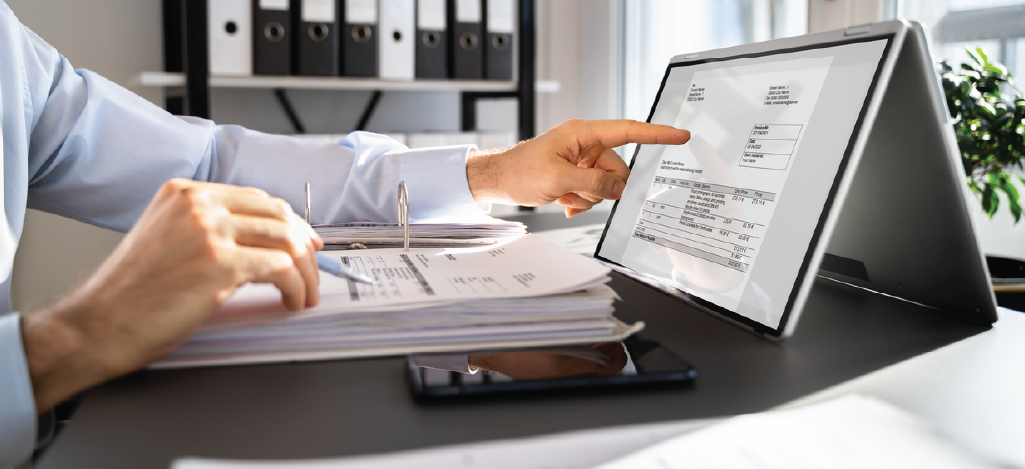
x=338 y=269
x=331 y=265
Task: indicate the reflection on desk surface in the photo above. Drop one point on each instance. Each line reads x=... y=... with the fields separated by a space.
x=603 y=359
x=610 y=359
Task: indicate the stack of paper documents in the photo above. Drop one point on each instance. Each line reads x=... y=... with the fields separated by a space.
x=420 y=234
x=522 y=292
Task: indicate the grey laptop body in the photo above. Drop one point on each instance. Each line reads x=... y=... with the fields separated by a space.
x=887 y=210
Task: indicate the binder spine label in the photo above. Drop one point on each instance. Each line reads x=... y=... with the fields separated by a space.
x=318 y=11
x=430 y=15
x=501 y=16
x=468 y=11
x=361 y=11
x=279 y=5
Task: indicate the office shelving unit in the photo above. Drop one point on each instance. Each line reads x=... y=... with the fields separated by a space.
x=188 y=80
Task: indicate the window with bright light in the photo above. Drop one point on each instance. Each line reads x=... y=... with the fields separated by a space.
x=997 y=26
x=657 y=30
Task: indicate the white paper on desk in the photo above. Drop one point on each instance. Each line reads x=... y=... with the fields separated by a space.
x=527 y=266
x=852 y=431
x=580 y=449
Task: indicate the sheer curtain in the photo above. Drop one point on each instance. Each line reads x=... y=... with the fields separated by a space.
x=997 y=26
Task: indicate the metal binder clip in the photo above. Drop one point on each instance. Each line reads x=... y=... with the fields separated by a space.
x=403 y=201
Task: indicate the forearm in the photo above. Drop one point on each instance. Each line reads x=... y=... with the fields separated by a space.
x=61 y=362
x=482 y=168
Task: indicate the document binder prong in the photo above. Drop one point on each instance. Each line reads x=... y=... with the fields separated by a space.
x=308 y=204
x=403 y=201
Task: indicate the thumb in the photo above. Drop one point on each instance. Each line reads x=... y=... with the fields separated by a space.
x=594 y=182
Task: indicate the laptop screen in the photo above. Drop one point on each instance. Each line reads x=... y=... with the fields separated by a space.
x=730 y=219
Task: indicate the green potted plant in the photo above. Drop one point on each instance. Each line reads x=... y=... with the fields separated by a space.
x=989 y=120
x=988 y=113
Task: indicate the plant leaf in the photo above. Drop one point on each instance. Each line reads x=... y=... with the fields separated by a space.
x=990 y=200
x=974 y=55
x=1003 y=182
x=996 y=67
x=985 y=58
x=1012 y=200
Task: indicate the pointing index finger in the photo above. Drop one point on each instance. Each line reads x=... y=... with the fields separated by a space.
x=614 y=133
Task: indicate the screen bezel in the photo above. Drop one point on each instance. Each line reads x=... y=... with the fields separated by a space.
x=827 y=207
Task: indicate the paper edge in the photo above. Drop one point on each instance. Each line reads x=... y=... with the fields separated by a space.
x=620 y=331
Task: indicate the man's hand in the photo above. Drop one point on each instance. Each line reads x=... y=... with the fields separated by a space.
x=194 y=244
x=574 y=164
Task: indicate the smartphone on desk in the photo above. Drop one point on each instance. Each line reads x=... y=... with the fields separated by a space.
x=609 y=365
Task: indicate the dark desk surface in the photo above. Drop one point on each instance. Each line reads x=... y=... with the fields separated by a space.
x=336 y=408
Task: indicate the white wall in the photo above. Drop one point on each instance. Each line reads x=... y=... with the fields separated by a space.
x=120 y=38
x=578 y=47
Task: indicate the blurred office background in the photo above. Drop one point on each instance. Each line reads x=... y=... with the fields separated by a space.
x=597 y=59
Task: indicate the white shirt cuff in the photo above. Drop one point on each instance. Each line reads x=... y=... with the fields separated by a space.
x=437 y=185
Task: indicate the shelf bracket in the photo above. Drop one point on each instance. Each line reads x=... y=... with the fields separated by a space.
x=368 y=110
x=286 y=105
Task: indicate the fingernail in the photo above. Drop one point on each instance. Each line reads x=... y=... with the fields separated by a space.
x=617 y=191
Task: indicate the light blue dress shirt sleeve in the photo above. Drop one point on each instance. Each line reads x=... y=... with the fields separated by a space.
x=99 y=153
x=17 y=405
x=78 y=145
